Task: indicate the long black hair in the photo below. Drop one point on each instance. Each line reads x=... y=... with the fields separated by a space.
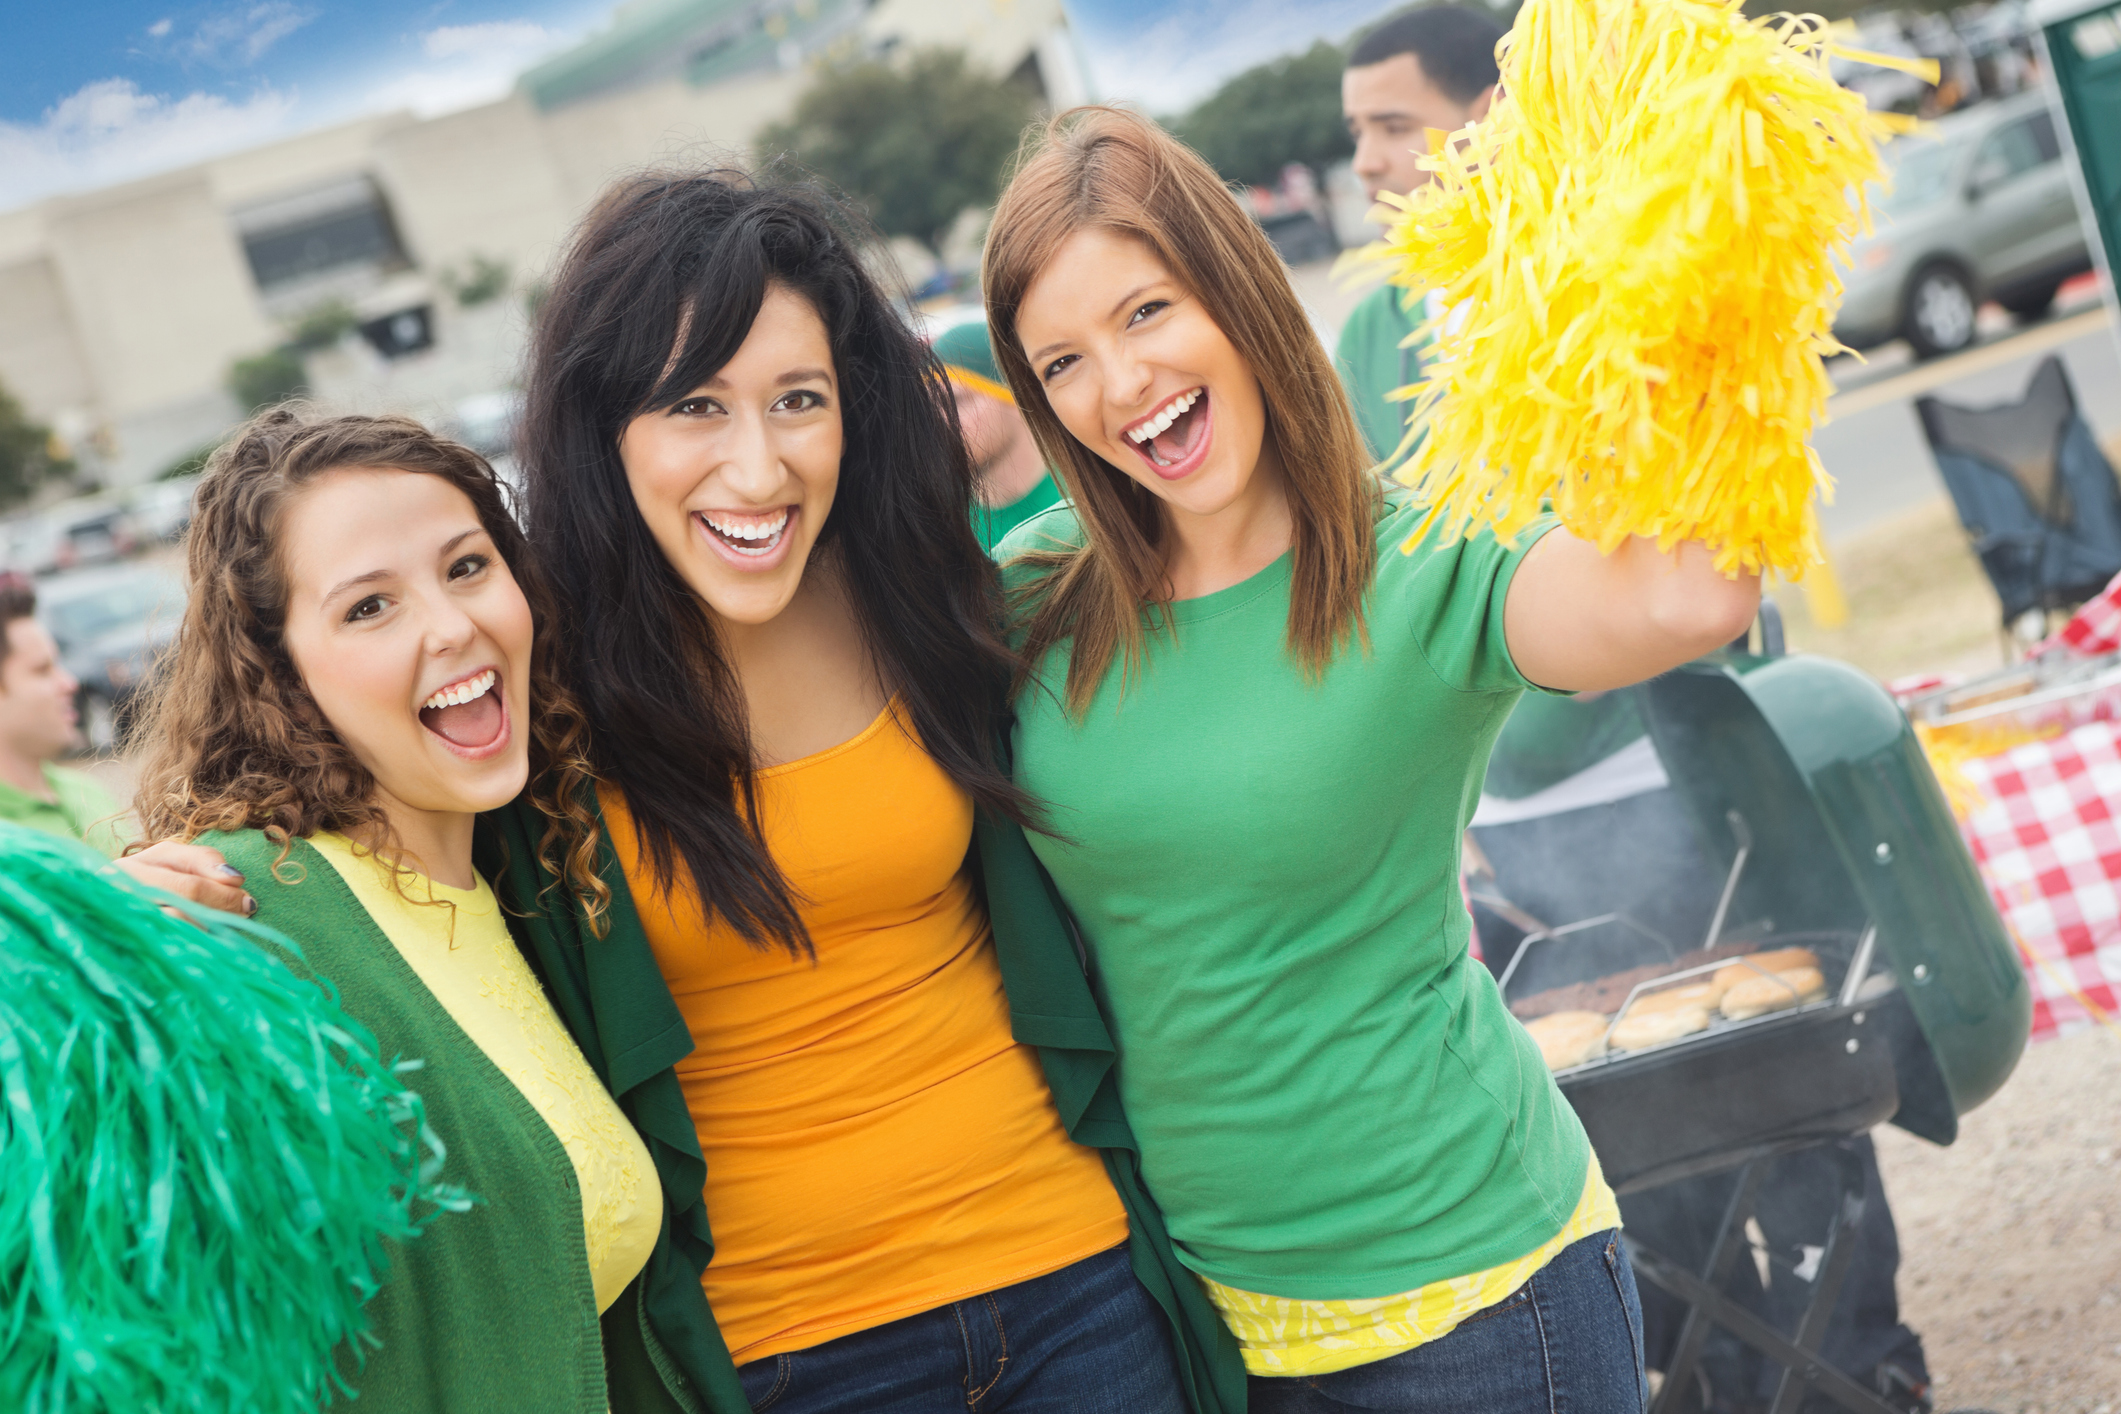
x=665 y=254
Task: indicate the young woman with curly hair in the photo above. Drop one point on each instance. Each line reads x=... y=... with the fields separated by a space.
x=747 y=488
x=361 y=669
x=1260 y=730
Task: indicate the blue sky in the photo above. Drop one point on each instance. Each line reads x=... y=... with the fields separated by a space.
x=101 y=91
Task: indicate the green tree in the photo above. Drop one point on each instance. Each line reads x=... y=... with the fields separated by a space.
x=269 y=378
x=1265 y=118
x=483 y=279
x=27 y=453
x=322 y=326
x=915 y=139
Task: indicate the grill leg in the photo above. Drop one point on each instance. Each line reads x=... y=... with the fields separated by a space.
x=1803 y=1370
x=1704 y=1309
x=1826 y=1291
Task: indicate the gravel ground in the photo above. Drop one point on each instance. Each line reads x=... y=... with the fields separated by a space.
x=2011 y=1238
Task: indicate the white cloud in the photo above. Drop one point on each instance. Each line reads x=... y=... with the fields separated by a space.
x=472 y=41
x=465 y=65
x=109 y=131
x=244 y=35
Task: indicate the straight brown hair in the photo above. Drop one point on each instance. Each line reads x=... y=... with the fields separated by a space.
x=1109 y=169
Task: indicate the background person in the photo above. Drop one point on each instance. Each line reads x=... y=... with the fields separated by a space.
x=1011 y=481
x=39 y=724
x=1429 y=68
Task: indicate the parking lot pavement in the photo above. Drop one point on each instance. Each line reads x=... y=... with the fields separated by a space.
x=1872 y=443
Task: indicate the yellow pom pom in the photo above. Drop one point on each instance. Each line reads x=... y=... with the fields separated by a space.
x=1638 y=246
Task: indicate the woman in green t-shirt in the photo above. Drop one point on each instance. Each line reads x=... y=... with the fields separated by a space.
x=1261 y=731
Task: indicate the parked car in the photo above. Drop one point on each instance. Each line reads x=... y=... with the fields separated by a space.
x=161 y=510
x=29 y=544
x=111 y=626
x=1980 y=208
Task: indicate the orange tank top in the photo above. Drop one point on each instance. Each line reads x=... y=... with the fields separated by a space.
x=877 y=1143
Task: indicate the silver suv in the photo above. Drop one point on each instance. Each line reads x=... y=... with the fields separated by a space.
x=1980 y=209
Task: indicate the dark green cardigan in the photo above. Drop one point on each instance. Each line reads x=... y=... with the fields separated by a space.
x=491 y=1308
x=611 y=994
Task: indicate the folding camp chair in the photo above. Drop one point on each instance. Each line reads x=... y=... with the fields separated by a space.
x=2037 y=497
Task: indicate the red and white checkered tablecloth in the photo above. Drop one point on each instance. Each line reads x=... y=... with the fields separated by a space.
x=2048 y=843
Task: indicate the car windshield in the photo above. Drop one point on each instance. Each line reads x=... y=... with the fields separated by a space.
x=79 y=618
x=1922 y=172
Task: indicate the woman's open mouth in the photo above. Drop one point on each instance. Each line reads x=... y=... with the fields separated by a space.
x=1174 y=439
x=750 y=540
x=469 y=715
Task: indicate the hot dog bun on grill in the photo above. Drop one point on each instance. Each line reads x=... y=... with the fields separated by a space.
x=1702 y=991
x=1752 y=965
x=1756 y=995
x=1568 y=1038
x=1653 y=1028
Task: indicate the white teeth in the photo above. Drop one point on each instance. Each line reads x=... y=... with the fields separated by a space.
x=463 y=692
x=1171 y=413
x=749 y=530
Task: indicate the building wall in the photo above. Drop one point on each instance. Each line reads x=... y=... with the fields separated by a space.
x=667 y=122
x=159 y=290
x=41 y=362
x=479 y=182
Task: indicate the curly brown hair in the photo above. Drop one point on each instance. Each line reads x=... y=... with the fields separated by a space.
x=233 y=739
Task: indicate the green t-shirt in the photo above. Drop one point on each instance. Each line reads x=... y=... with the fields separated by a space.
x=1373 y=362
x=82 y=811
x=1331 y=1099
x=992 y=523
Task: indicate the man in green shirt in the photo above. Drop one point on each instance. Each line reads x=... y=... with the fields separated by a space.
x=1014 y=483
x=38 y=725
x=1428 y=68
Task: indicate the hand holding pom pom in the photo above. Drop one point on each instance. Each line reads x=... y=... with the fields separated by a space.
x=200 y=1154
x=1639 y=239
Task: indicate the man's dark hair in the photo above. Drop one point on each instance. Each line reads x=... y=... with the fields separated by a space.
x=18 y=600
x=1455 y=47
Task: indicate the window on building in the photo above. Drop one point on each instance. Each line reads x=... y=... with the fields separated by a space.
x=322 y=231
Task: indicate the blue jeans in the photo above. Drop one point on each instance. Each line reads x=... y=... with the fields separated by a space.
x=1569 y=1341
x=1086 y=1339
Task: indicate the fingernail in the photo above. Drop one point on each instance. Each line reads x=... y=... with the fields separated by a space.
x=250 y=905
x=229 y=871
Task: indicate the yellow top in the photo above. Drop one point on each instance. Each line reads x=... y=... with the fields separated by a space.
x=1285 y=1337
x=467 y=959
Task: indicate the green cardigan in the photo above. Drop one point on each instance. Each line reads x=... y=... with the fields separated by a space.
x=491 y=1308
x=611 y=994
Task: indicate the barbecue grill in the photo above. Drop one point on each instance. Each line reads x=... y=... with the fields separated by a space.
x=1811 y=800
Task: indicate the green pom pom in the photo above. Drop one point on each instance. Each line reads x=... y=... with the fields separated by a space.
x=200 y=1153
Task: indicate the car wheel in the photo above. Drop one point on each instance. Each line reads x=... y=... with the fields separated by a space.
x=2032 y=304
x=1940 y=311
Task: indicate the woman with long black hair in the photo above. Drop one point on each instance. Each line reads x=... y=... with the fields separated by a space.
x=746 y=484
